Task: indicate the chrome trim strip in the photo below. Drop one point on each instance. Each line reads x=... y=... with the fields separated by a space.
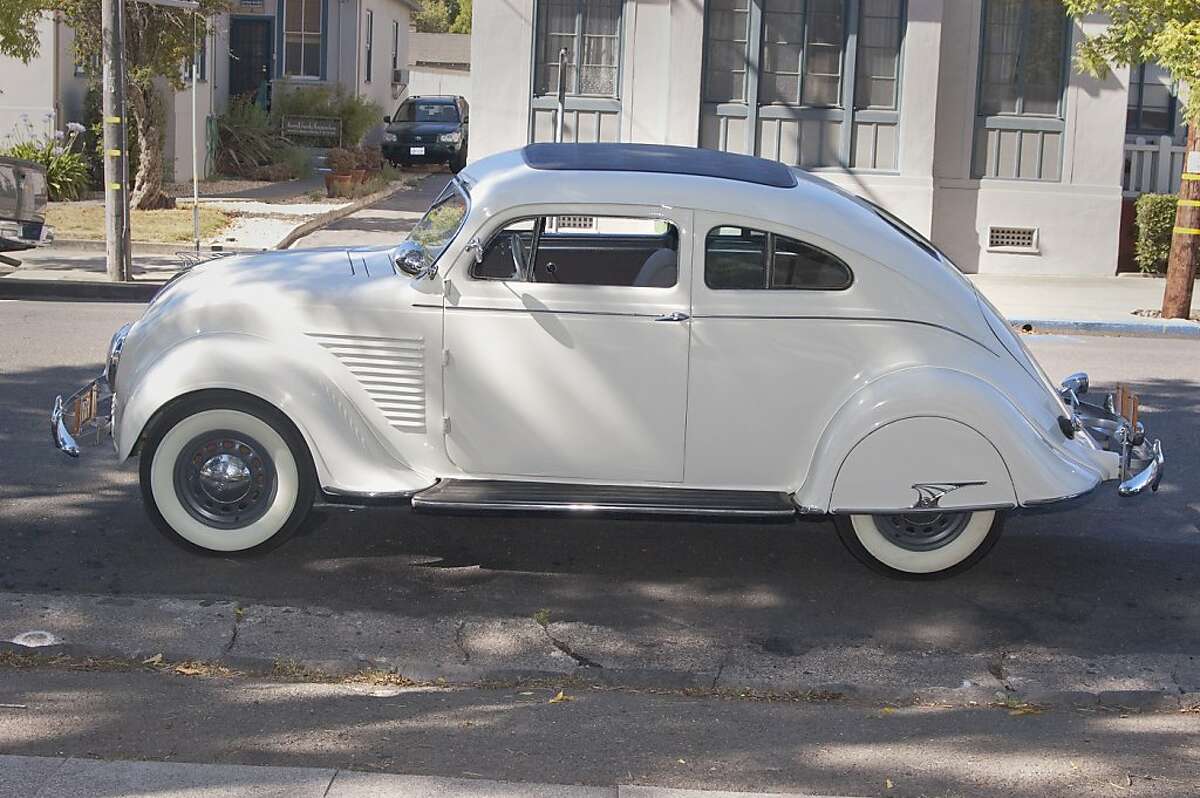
x=369 y=495
x=642 y=509
x=911 y=511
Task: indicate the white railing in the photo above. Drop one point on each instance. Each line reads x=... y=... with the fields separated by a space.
x=1153 y=165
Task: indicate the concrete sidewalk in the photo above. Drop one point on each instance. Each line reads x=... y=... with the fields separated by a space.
x=1096 y=305
x=44 y=777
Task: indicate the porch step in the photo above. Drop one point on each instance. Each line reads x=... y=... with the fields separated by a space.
x=457 y=495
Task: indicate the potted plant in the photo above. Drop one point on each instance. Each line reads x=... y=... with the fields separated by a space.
x=370 y=159
x=340 y=177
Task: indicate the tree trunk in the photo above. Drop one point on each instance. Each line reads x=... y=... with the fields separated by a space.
x=1185 y=243
x=150 y=117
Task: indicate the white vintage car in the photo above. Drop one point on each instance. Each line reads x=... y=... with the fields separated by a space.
x=607 y=329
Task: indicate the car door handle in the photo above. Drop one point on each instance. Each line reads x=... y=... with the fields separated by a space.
x=676 y=316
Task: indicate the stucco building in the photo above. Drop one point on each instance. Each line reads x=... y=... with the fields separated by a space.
x=259 y=47
x=964 y=117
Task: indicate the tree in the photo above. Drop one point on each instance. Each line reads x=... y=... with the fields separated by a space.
x=434 y=17
x=18 y=28
x=1166 y=32
x=462 y=22
x=158 y=46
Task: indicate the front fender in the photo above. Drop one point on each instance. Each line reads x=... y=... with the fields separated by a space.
x=1041 y=466
x=347 y=453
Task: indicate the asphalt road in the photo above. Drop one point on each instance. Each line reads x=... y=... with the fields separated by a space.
x=1116 y=577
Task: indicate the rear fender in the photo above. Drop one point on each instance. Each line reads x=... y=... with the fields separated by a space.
x=957 y=428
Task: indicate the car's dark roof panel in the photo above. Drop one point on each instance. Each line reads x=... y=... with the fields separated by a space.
x=659 y=159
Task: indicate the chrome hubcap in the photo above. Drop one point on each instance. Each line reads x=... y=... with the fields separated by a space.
x=225 y=479
x=922 y=531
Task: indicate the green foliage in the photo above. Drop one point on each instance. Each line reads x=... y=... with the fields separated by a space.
x=93 y=138
x=1155 y=221
x=358 y=114
x=434 y=17
x=18 y=28
x=462 y=20
x=249 y=145
x=66 y=167
x=1142 y=31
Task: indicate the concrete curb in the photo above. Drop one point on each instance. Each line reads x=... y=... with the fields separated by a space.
x=32 y=775
x=320 y=643
x=138 y=248
x=329 y=217
x=77 y=290
x=1171 y=328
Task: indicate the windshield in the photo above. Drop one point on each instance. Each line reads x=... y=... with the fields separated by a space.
x=440 y=223
x=427 y=112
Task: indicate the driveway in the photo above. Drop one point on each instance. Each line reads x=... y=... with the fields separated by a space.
x=386 y=222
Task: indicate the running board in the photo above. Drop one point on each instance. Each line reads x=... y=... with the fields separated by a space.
x=465 y=495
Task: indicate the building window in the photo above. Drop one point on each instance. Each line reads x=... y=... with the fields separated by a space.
x=778 y=78
x=880 y=33
x=395 y=47
x=1152 y=100
x=1023 y=56
x=590 y=32
x=369 y=49
x=202 y=62
x=302 y=38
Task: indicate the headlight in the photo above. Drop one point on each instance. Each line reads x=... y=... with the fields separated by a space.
x=389 y=137
x=451 y=138
x=114 y=356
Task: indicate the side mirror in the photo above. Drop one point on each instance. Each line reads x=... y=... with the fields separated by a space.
x=476 y=247
x=411 y=259
x=387 y=120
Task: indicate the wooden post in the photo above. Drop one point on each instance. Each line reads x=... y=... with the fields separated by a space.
x=116 y=171
x=1185 y=243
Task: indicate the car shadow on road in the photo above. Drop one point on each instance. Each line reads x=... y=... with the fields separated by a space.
x=1115 y=576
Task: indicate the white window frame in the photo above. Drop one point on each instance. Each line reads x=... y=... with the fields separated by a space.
x=285 y=68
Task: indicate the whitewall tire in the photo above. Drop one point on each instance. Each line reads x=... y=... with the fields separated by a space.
x=225 y=473
x=921 y=545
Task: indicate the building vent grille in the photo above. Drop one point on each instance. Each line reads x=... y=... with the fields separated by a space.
x=575 y=223
x=1013 y=239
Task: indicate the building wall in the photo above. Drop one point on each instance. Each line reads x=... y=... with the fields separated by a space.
x=381 y=89
x=28 y=105
x=436 y=80
x=932 y=187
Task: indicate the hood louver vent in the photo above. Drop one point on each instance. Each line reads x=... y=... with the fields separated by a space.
x=390 y=370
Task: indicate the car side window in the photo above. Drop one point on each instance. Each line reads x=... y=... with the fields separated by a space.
x=584 y=250
x=744 y=258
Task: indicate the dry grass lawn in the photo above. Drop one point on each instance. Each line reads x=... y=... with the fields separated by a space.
x=86 y=220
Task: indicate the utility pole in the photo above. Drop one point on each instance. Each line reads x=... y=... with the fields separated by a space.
x=116 y=169
x=1185 y=243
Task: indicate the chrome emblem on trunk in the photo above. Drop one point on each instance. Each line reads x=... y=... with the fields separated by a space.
x=930 y=493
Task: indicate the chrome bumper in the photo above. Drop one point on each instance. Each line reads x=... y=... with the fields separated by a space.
x=84 y=415
x=1142 y=461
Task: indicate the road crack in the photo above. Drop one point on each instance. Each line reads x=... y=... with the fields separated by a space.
x=238 y=612
x=461 y=642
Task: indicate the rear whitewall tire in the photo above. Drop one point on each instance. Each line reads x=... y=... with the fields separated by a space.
x=291 y=492
x=862 y=535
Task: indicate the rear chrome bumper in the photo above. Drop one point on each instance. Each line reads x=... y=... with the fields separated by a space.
x=1141 y=461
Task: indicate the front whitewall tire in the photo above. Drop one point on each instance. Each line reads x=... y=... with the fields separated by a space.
x=283 y=506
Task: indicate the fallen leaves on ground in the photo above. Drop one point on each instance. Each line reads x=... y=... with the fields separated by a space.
x=560 y=697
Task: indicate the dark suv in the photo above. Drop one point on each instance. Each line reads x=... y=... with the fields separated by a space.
x=428 y=130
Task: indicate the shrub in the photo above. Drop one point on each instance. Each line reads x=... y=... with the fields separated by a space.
x=341 y=161
x=358 y=115
x=248 y=145
x=61 y=154
x=369 y=158
x=1155 y=221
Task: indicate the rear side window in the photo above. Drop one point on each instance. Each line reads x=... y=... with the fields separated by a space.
x=748 y=259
